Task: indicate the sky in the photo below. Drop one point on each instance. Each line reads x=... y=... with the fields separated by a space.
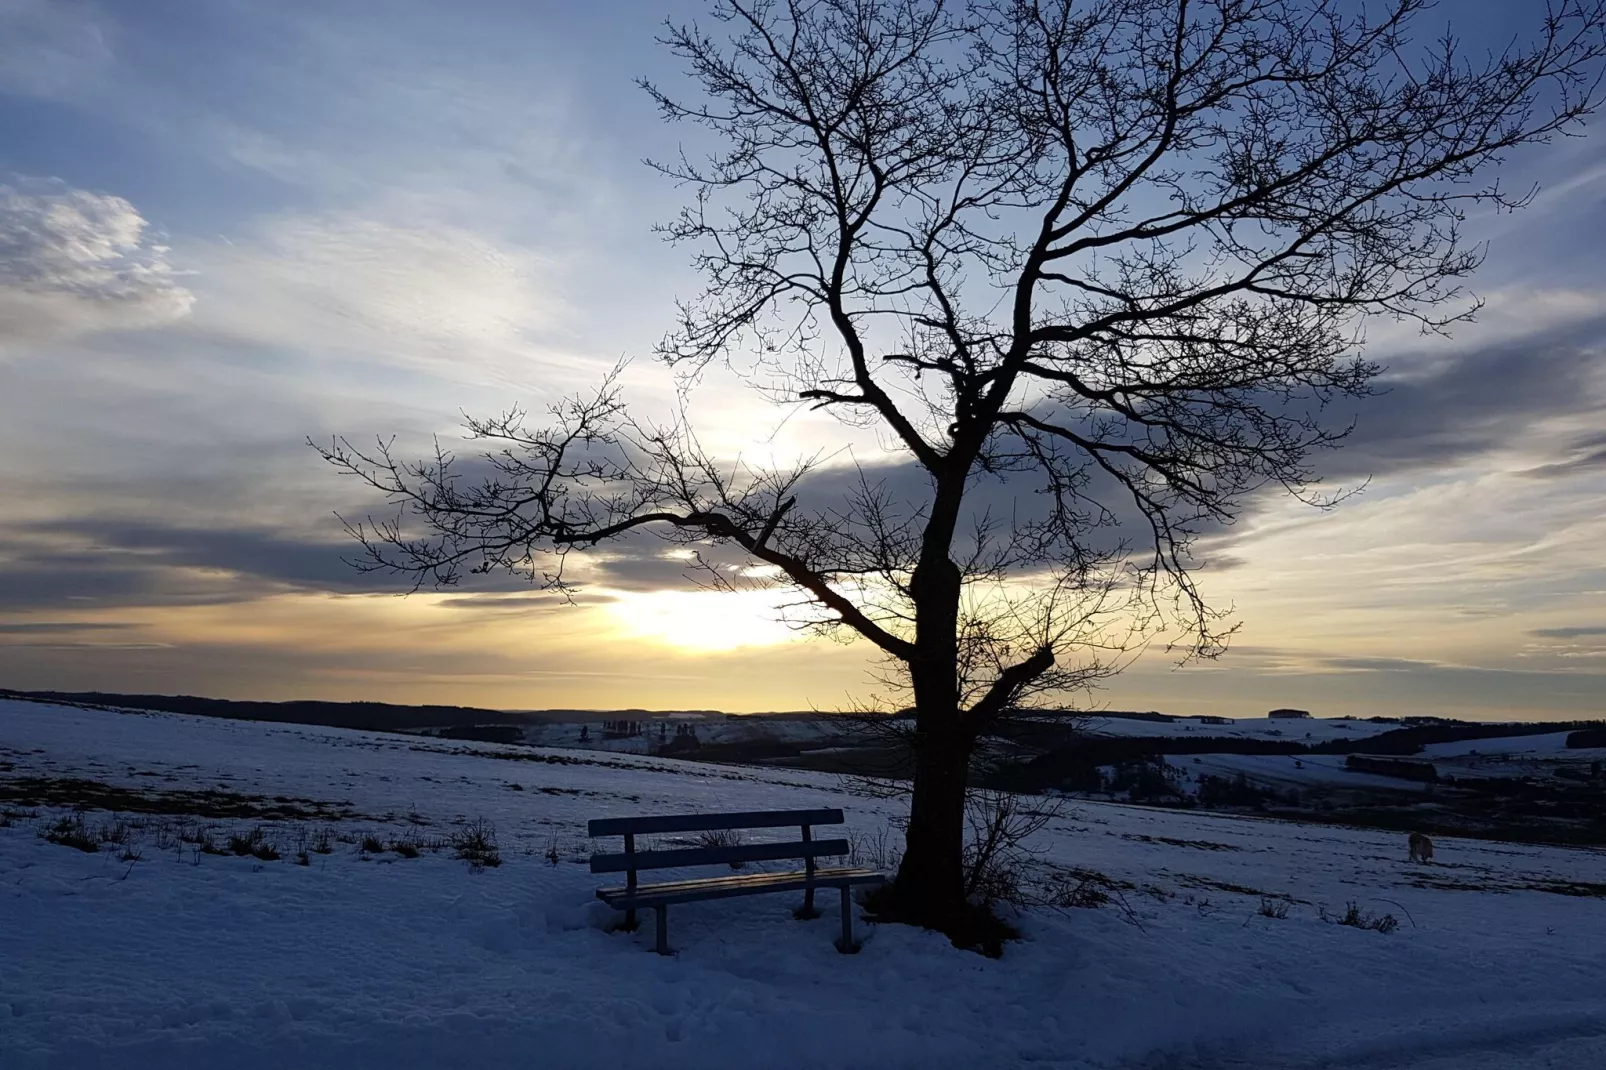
x=227 y=227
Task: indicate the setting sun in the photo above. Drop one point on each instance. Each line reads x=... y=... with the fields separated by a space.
x=703 y=620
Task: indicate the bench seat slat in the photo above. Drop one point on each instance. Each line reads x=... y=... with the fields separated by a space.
x=714 y=856
x=750 y=819
x=725 y=887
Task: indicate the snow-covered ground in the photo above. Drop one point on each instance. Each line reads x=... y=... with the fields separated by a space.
x=1511 y=756
x=1293 y=730
x=1551 y=744
x=715 y=728
x=1284 y=771
x=183 y=959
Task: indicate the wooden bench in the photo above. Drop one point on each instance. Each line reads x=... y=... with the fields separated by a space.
x=635 y=895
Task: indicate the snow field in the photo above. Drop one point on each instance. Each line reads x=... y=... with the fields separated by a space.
x=393 y=962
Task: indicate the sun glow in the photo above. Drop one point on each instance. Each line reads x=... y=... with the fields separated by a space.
x=702 y=620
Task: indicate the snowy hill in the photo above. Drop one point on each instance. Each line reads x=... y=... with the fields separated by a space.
x=1307 y=730
x=369 y=958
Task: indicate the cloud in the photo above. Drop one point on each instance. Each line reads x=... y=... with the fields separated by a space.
x=1374 y=664
x=395 y=292
x=74 y=262
x=1572 y=632
x=1584 y=460
x=84 y=562
x=57 y=627
x=1435 y=413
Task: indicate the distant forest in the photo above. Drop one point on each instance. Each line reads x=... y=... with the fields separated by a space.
x=371 y=716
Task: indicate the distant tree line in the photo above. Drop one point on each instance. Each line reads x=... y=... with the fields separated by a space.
x=369 y=716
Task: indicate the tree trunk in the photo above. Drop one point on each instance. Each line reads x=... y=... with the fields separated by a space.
x=930 y=887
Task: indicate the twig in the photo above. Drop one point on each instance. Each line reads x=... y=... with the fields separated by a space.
x=1392 y=903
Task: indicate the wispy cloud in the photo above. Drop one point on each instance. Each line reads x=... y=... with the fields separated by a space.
x=74 y=262
x=1570 y=632
x=61 y=627
x=365 y=289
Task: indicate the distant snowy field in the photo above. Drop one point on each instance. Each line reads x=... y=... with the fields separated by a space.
x=726 y=728
x=1300 y=730
x=185 y=960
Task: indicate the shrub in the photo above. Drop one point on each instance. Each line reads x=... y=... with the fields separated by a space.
x=372 y=845
x=116 y=831
x=1273 y=908
x=475 y=843
x=303 y=858
x=995 y=853
x=1352 y=916
x=978 y=927
x=716 y=838
x=245 y=843
x=322 y=842
x=70 y=832
x=880 y=851
x=1083 y=891
x=405 y=848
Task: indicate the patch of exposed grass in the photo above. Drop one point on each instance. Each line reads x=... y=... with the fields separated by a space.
x=1203 y=845
x=475 y=843
x=71 y=832
x=254 y=843
x=1196 y=881
x=1584 y=889
x=115 y=832
x=1273 y=908
x=1355 y=919
x=84 y=794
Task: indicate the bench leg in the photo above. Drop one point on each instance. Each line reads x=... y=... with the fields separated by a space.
x=630 y=921
x=806 y=911
x=846 y=944
x=663 y=930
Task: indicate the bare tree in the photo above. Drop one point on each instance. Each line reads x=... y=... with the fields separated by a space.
x=1113 y=252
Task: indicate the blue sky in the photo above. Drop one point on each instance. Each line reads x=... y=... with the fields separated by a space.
x=228 y=226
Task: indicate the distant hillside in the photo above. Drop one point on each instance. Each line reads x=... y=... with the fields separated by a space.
x=1411 y=740
x=371 y=716
x=368 y=716
x=567 y=716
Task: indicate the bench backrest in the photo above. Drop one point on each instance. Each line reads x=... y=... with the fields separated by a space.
x=628 y=862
